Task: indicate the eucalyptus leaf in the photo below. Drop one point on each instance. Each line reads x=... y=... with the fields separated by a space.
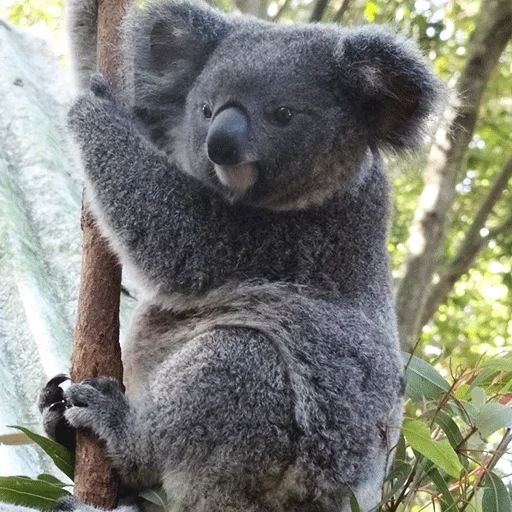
x=27 y=492
x=354 y=504
x=437 y=479
x=496 y=497
x=423 y=381
x=440 y=453
x=61 y=456
x=492 y=417
x=502 y=364
x=155 y=496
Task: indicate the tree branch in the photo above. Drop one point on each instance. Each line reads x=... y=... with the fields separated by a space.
x=341 y=11
x=96 y=349
x=319 y=10
x=281 y=11
x=493 y=29
x=472 y=244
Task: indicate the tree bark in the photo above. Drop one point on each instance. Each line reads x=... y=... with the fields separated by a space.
x=493 y=29
x=96 y=348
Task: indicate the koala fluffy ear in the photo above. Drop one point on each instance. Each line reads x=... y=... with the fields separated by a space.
x=166 y=44
x=185 y=33
x=396 y=92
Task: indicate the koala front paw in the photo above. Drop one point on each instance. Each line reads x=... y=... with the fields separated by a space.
x=66 y=504
x=100 y=87
x=52 y=406
x=96 y=403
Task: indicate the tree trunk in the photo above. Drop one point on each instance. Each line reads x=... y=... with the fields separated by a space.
x=493 y=29
x=474 y=241
x=96 y=346
x=319 y=10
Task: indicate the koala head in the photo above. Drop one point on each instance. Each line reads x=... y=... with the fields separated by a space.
x=280 y=117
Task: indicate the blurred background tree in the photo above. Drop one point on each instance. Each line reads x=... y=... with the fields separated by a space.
x=451 y=236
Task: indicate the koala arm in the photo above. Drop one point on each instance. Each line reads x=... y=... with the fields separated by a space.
x=164 y=223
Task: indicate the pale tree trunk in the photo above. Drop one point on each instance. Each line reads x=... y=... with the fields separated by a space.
x=255 y=7
x=475 y=239
x=493 y=29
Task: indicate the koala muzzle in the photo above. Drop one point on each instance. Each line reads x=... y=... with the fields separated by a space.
x=227 y=137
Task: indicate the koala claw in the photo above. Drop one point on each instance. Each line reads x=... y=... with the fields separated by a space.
x=100 y=87
x=96 y=403
x=52 y=393
x=52 y=406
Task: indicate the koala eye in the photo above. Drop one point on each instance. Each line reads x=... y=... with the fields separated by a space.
x=283 y=115
x=207 y=112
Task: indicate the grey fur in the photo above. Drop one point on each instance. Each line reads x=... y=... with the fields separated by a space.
x=263 y=369
x=81 y=28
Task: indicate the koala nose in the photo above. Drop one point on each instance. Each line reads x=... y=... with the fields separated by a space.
x=227 y=137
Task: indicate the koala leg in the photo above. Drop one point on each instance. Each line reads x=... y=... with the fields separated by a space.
x=224 y=423
x=99 y=404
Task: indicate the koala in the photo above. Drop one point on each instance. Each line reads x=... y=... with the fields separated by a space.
x=241 y=184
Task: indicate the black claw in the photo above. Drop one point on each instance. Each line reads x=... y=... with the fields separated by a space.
x=52 y=405
x=52 y=392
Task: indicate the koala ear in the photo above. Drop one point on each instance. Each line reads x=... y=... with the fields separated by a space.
x=184 y=33
x=165 y=46
x=396 y=92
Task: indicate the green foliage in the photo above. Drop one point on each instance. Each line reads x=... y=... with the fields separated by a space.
x=61 y=456
x=455 y=434
x=41 y=493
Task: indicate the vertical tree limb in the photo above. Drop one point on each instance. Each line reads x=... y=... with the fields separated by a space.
x=96 y=346
x=319 y=10
x=340 y=13
x=493 y=29
x=472 y=244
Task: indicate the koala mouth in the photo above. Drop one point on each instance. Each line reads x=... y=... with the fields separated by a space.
x=238 y=179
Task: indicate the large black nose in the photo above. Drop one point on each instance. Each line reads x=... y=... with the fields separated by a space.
x=227 y=137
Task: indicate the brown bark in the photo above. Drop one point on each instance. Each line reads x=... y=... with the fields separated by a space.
x=493 y=29
x=96 y=346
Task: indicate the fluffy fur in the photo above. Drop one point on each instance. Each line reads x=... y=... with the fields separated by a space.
x=263 y=370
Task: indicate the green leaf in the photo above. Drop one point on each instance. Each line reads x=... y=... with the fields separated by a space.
x=423 y=380
x=465 y=410
x=496 y=497
x=155 y=496
x=440 y=453
x=61 y=456
x=28 y=492
x=492 y=417
x=442 y=487
x=478 y=397
x=51 y=480
x=502 y=364
x=397 y=478
x=354 y=504
x=449 y=427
